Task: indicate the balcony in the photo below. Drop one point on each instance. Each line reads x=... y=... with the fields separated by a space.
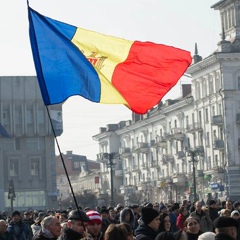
x=125 y=151
x=161 y=142
x=142 y=147
x=126 y=170
x=144 y=166
x=200 y=173
x=195 y=127
x=152 y=143
x=218 y=144
x=154 y=164
x=168 y=158
x=217 y=120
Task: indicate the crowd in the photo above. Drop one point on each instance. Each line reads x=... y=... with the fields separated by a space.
x=158 y=221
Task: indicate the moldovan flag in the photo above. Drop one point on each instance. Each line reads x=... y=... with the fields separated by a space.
x=73 y=61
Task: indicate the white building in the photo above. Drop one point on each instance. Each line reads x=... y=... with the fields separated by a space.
x=155 y=147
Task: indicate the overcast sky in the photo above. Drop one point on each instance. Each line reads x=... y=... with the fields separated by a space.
x=172 y=22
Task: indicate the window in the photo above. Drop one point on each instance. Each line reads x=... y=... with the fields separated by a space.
x=13 y=167
x=6 y=117
x=18 y=116
x=206 y=115
x=207 y=139
x=29 y=116
x=238 y=84
x=35 y=166
x=35 y=143
x=76 y=165
x=40 y=116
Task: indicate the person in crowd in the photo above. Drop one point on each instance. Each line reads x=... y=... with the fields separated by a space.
x=4 y=234
x=163 y=209
x=105 y=219
x=76 y=226
x=165 y=223
x=113 y=232
x=17 y=229
x=225 y=228
x=118 y=209
x=112 y=215
x=229 y=205
x=236 y=215
x=128 y=228
x=94 y=226
x=156 y=206
x=192 y=228
x=213 y=210
x=174 y=211
x=236 y=206
x=182 y=216
x=225 y=212
x=203 y=218
x=27 y=219
x=147 y=230
x=127 y=216
x=207 y=236
x=36 y=226
x=50 y=229
x=136 y=213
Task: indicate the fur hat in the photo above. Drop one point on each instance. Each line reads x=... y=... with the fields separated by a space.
x=207 y=236
x=148 y=214
x=16 y=213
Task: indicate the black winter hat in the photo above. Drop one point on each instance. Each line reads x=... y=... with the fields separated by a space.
x=224 y=221
x=16 y=213
x=148 y=214
x=211 y=202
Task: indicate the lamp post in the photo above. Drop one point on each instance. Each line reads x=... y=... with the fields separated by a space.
x=193 y=154
x=110 y=163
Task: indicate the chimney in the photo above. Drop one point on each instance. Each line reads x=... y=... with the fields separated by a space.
x=186 y=89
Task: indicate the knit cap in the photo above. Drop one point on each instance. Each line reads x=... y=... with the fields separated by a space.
x=94 y=217
x=149 y=214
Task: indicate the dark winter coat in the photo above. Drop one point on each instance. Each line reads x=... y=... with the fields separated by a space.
x=19 y=231
x=69 y=234
x=144 y=232
x=222 y=236
x=41 y=236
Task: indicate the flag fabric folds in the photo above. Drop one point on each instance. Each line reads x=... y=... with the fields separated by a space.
x=73 y=61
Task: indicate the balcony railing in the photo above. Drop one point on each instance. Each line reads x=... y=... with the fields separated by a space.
x=217 y=120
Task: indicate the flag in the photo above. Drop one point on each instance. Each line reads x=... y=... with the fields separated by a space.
x=105 y=69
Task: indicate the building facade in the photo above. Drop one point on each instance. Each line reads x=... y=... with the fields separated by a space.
x=27 y=156
x=199 y=131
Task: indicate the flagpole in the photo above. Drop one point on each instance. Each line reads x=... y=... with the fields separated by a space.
x=64 y=165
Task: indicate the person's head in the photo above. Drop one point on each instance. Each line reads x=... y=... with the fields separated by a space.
x=156 y=206
x=207 y=236
x=213 y=204
x=63 y=217
x=94 y=226
x=175 y=209
x=235 y=214
x=77 y=221
x=27 y=215
x=112 y=213
x=125 y=226
x=225 y=212
x=226 y=225
x=192 y=225
x=229 y=205
x=163 y=208
x=236 y=205
x=3 y=226
x=113 y=232
x=198 y=206
x=183 y=210
x=150 y=217
x=16 y=216
x=52 y=224
x=104 y=213
x=165 y=222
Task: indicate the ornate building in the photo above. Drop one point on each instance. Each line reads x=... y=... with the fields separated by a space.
x=186 y=148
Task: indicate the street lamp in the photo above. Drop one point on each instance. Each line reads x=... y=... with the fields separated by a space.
x=110 y=163
x=193 y=153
